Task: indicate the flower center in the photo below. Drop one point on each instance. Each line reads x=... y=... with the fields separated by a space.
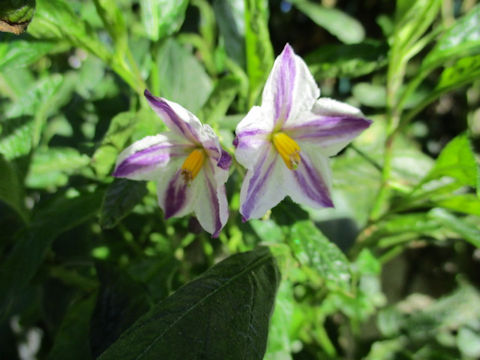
x=193 y=164
x=288 y=149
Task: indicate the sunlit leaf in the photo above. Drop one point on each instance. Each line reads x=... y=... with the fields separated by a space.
x=16 y=15
x=182 y=77
x=20 y=53
x=162 y=17
x=314 y=250
x=461 y=39
x=230 y=305
x=470 y=232
x=346 y=28
x=258 y=46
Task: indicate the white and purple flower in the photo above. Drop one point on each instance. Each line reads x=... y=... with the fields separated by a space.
x=285 y=143
x=188 y=164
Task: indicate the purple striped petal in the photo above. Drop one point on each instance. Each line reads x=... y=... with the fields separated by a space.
x=211 y=207
x=225 y=160
x=175 y=195
x=263 y=186
x=309 y=183
x=290 y=88
x=142 y=159
x=176 y=117
x=332 y=133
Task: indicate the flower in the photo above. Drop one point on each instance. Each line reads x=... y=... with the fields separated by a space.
x=188 y=164
x=285 y=143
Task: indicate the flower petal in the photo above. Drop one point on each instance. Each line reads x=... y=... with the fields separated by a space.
x=310 y=183
x=176 y=197
x=251 y=135
x=328 y=133
x=176 y=117
x=263 y=185
x=145 y=158
x=211 y=207
x=290 y=88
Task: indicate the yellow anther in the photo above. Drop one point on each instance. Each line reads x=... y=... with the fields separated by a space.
x=288 y=149
x=193 y=164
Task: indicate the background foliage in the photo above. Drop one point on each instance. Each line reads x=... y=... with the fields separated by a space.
x=89 y=268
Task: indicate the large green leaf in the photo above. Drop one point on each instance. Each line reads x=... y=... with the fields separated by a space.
x=258 y=46
x=223 y=314
x=162 y=17
x=464 y=71
x=15 y=15
x=120 y=302
x=461 y=39
x=120 y=198
x=314 y=250
x=465 y=203
x=182 y=77
x=32 y=243
x=344 y=27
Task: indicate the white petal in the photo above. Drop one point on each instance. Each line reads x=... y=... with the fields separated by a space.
x=145 y=158
x=263 y=186
x=176 y=117
x=310 y=183
x=252 y=135
x=211 y=207
x=290 y=88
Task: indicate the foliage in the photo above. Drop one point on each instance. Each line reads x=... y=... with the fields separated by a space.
x=91 y=269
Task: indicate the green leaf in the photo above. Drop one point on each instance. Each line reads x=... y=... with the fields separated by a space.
x=15 y=54
x=120 y=302
x=113 y=20
x=457 y=161
x=230 y=16
x=55 y=19
x=11 y=189
x=182 y=77
x=341 y=60
x=223 y=314
x=120 y=198
x=258 y=46
x=220 y=100
x=314 y=250
x=119 y=132
x=468 y=341
x=72 y=337
x=161 y=18
x=464 y=71
x=469 y=232
x=15 y=15
x=347 y=29
x=464 y=203
x=50 y=167
x=16 y=137
x=279 y=344
x=33 y=242
x=370 y=94
x=461 y=39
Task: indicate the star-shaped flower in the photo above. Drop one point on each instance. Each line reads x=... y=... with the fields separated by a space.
x=285 y=143
x=188 y=164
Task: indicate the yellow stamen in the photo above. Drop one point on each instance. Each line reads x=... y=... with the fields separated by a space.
x=288 y=149
x=193 y=164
